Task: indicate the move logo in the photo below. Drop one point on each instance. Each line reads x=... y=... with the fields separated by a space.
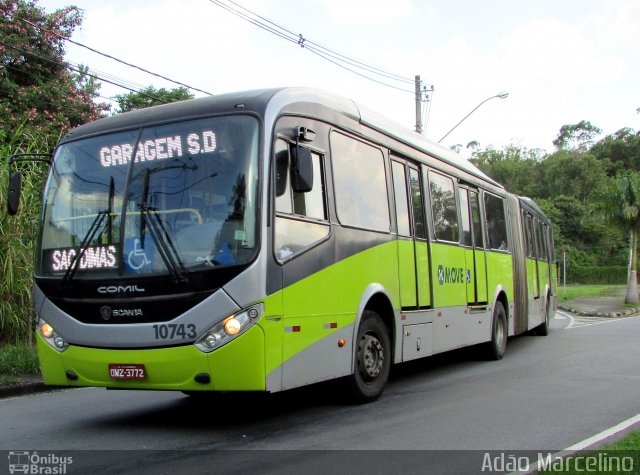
x=451 y=275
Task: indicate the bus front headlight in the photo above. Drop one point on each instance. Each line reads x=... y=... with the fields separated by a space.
x=229 y=328
x=52 y=337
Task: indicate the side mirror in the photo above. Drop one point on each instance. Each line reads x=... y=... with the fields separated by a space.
x=301 y=170
x=13 y=198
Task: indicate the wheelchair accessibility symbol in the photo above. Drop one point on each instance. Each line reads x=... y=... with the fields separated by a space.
x=137 y=258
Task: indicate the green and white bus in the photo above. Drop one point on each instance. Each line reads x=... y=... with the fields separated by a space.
x=265 y=240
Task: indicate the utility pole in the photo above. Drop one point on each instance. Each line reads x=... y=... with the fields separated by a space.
x=419 y=126
x=422 y=97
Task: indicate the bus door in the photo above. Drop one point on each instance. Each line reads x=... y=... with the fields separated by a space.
x=447 y=255
x=473 y=241
x=413 y=252
x=533 y=283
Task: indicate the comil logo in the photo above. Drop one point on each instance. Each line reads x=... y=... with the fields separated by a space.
x=27 y=462
x=119 y=289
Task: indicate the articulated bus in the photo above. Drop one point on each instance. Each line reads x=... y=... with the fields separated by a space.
x=266 y=240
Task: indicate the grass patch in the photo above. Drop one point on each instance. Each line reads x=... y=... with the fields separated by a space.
x=17 y=359
x=8 y=380
x=572 y=292
x=621 y=457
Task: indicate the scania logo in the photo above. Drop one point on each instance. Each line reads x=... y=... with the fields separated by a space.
x=105 y=313
x=119 y=289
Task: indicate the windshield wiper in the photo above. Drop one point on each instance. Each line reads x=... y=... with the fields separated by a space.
x=93 y=229
x=163 y=242
x=159 y=234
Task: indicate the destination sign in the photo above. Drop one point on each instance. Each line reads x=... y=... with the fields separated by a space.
x=98 y=257
x=160 y=148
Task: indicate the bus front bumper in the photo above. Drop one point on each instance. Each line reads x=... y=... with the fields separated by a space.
x=237 y=366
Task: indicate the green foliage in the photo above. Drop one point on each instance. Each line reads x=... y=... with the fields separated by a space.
x=517 y=168
x=609 y=275
x=37 y=89
x=576 y=136
x=17 y=239
x=151 y=96
x=619 y=151
x=571 y=173
x=40 y=99
x=17 y=359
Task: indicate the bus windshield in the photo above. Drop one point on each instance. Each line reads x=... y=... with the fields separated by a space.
x=167 y=199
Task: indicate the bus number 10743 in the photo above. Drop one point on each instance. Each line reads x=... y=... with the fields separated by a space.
x=174 y=330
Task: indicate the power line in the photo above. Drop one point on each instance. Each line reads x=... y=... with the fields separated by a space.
x=304 y=42
x=327 y=54
x=78 y=70
x=115 y=59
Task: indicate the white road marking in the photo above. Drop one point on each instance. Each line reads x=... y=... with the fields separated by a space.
x=577 y=321
x=583 y=444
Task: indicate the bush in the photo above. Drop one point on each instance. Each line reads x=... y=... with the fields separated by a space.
x=18 y=359
x=609 y=275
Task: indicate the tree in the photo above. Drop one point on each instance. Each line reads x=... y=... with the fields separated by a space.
x=571 y=173
x=619 y=205
x=515 y=167
x=576 y=136
x=40 y=94
x=619 y=151
x=41 y=97
x=151 y=96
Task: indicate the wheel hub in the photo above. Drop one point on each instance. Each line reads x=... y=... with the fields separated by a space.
x=371 y=357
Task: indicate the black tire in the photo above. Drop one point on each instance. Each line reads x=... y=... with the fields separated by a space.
x=496 y=348
x=372 y=359
x=543 y=328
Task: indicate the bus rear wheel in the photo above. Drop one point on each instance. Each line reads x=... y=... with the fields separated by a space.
x=372 y=359
x=498 y=344
x=543 y=328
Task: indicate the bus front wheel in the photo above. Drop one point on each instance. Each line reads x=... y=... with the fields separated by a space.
x=372 y=359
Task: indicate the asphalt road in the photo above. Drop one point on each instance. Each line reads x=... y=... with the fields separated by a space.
x=441 y=414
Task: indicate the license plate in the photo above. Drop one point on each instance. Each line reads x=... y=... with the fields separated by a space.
x=127 y=371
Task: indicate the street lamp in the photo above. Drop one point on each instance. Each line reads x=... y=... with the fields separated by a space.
x=502 y=95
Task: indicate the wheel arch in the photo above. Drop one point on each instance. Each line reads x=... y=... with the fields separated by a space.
x=376 y=298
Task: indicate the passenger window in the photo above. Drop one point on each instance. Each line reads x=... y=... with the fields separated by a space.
x=529 y=236
x=496 y=222
x=400 y=191
x=444 y=210
x=301 y=218
x=466 y=217
x=418 y=204
x=360 y=183
x=478 y=238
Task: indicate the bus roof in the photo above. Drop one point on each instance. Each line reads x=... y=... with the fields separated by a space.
x=275 y=100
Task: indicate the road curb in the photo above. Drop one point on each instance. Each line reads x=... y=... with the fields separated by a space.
x=625 y=313
x=24 y=388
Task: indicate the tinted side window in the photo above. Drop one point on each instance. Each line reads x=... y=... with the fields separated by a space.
x=400 y=191
x=478 y=240
x=444 y=210
x=529 y=236
x=496 y=222
x=418 y=204
x=360 y=183
x=466 y=217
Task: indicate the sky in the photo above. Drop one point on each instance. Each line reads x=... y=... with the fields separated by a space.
x=561 y=61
